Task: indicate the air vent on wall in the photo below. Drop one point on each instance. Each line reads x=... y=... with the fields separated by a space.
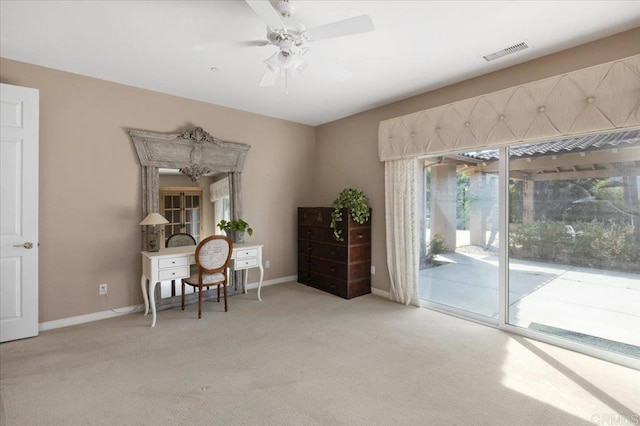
x=506 y=51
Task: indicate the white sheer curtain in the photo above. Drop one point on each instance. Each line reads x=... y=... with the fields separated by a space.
x=218 y=191
x=401 y=207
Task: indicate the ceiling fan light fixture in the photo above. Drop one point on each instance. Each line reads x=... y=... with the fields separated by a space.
x=286 y=58
x=293 y=40
x=298 y=67
x=286 y=9
x=273 y=37
x=272 y=63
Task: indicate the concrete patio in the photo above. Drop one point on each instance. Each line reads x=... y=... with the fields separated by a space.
x=542 y=296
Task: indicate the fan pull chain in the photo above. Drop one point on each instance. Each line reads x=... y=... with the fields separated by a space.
x=286 y=81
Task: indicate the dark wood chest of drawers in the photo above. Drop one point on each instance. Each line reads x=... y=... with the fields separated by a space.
x=342 y=268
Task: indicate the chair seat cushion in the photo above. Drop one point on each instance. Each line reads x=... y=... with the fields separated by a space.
x=206 y=278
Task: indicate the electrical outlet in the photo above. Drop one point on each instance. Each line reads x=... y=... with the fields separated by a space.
x=267 y=263
x=373 y=270
x=103 y=288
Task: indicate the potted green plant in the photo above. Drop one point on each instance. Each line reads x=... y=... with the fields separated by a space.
x=437 y=246
x=355 y=201
x=235 y=229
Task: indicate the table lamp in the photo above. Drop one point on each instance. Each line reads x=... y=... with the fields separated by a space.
x=152 y=220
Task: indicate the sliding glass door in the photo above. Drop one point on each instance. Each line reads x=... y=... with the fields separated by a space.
x=574 y=241
x=569 y=264
x=459 y=262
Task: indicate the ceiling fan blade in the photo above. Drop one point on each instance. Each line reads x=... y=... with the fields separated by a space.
x=355 y=25
x=252 y=43
x=213 y=45
x=266 y=13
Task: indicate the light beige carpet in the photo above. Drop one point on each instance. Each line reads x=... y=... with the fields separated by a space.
x=303 y=357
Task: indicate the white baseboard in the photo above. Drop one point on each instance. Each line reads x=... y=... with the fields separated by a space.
x=111 y=313
x=281 y=280
x=96 y=316
x=380 y=293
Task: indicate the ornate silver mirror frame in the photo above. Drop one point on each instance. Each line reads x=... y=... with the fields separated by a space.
x=196 y=153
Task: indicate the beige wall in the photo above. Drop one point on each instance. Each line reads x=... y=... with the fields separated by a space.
x=90 y=183
x=90 y=209
x=347 y=149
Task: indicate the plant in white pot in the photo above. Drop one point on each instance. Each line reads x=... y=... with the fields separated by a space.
x=355 y=201
x=235 y=229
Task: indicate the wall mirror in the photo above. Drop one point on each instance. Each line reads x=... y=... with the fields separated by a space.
x=192 y=207
x=191 y=178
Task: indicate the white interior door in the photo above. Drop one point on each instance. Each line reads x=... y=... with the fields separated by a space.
x=18 y=212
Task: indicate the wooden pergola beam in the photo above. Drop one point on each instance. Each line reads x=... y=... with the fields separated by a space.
x=586 y=174
x=589 y=158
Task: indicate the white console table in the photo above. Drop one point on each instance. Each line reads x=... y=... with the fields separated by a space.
x=173 y=263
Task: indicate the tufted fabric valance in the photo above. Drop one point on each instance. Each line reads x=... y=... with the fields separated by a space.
x=595 y=99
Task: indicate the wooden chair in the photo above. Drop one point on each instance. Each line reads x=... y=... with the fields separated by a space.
x=179 y=239
x=213 y=255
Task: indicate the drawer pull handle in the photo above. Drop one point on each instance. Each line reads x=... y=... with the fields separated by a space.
x=333 y=269
x=332 y=253
x=359 y=236
x=319 y=218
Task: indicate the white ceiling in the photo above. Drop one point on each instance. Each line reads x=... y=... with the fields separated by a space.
x=417 y=46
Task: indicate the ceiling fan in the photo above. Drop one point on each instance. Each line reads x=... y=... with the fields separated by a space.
x=294 y=41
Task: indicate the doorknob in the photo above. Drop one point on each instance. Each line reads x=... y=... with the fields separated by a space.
x=25 y=245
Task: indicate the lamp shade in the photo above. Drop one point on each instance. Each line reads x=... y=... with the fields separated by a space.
x=154 y=219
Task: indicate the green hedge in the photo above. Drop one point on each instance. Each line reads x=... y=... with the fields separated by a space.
x=603 y=245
